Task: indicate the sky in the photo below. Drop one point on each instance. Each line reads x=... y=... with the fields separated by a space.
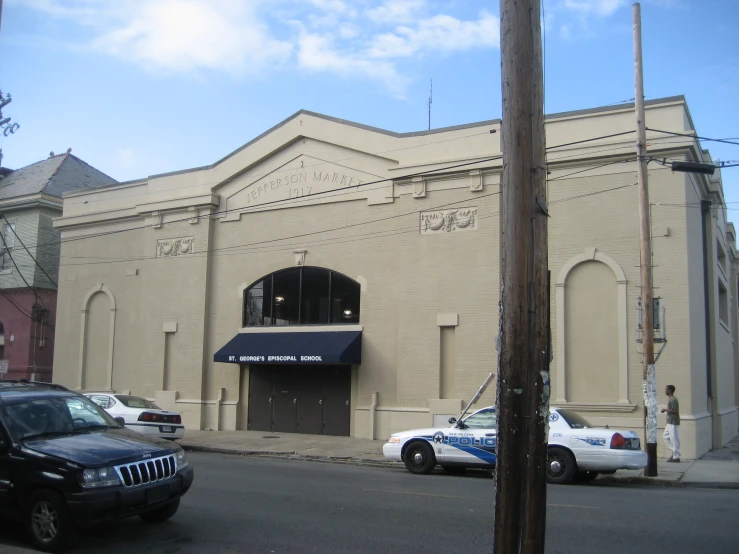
x=142 y=87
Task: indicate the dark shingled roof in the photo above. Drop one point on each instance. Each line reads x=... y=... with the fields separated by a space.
x=53 y=176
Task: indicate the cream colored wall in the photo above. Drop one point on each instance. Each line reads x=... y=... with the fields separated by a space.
x=592 y=334
x=148 y=291
x=408 y=277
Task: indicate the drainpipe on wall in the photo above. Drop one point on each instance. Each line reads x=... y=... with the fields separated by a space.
x=708 y=259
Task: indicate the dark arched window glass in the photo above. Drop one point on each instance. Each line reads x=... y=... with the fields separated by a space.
x=302 y=296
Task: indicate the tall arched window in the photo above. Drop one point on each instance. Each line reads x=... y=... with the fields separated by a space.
x=302 y=296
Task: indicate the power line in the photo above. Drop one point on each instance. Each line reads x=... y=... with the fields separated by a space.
x=277 y=171
x=7 y=251
x=301 y=235
x=261 y=206
x=7 y=223
x=303 y=198
x=590 y=140
x=260 y=248
x=22 y=311
x=725 y=141
x=257 y=176
x=592 y=168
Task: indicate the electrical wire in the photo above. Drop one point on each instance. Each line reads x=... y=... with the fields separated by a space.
x=7 y=223
x=7 y=251
x=261 y=206
x=725 y=141
x=260 y=175
x=258 y=247
x=301 y=235
x=22 y=311
x=335 y=193
x=592 y=168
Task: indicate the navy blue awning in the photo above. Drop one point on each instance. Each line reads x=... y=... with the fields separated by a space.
x=308 y=347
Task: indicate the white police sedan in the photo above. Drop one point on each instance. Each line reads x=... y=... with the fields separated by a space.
x=577 y=450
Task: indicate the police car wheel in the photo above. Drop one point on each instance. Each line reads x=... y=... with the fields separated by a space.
x=419 y=458
x=561 y=467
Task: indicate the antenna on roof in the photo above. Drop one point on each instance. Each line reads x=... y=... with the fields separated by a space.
x=431 y=99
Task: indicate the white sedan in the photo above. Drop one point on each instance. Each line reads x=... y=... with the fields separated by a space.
x=577 y=450
x=140 y=414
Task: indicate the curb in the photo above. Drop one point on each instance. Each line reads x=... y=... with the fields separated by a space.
x=604 y=480
x=346 y=460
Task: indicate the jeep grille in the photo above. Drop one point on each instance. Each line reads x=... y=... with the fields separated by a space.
x=147 y=471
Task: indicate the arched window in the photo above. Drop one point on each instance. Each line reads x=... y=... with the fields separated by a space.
x=2 y=341
x=302 y=296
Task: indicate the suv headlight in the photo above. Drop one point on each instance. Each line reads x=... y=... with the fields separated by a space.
x=181 y=460
x=103 y=477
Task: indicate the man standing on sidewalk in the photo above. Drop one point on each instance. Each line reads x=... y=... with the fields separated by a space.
x=672 y=429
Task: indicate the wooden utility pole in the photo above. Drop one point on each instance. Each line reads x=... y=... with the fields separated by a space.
x=523 y=355
x=649 y=385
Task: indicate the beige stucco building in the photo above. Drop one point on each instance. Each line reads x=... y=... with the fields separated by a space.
x=365 y=262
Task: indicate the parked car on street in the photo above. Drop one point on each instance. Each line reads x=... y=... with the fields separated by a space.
x=577 y=450
x=140 y=414
x=66 y=464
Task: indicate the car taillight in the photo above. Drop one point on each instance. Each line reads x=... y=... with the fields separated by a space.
x=146 y=416
x=618 y=441
x=177 y=419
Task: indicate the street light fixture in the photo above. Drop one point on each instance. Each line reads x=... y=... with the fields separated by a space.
x=694 y=167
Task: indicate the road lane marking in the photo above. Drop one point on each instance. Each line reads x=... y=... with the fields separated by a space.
x=422 y=494
x=468 y=498
x=575 y=506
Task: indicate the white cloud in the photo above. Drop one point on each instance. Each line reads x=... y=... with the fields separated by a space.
x=330 y=5
x=597 y=7
x=317 y=53
x=361 y=39
x=438 y=33
x=183 y=35
x=348 y=30
x=396 y=11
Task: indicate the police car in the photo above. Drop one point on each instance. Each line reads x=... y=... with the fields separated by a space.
x=577 y=450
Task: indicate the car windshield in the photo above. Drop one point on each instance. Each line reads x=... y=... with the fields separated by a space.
x=484 y=419
x=575 y=421
x=53 y=416
x=137 y=402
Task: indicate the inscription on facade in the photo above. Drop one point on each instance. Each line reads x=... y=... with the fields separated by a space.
x=447 y=221
x=166 y=248
x=298 y=184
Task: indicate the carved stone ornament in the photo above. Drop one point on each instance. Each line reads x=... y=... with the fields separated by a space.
x=447 y=221
x=166 y=248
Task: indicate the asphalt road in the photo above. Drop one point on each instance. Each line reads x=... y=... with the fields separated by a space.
x=245 y=505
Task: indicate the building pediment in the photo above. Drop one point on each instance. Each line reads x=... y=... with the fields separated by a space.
x=293 y=178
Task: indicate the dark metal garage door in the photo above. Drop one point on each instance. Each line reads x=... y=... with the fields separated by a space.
x=298 y=399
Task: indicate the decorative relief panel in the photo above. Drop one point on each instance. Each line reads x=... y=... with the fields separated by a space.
x=446 y=221
x=166 y=248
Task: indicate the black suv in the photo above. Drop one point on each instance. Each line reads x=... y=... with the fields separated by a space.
x=65 y=464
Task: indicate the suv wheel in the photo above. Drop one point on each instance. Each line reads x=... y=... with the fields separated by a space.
x=163 y=513
x=48 y=522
